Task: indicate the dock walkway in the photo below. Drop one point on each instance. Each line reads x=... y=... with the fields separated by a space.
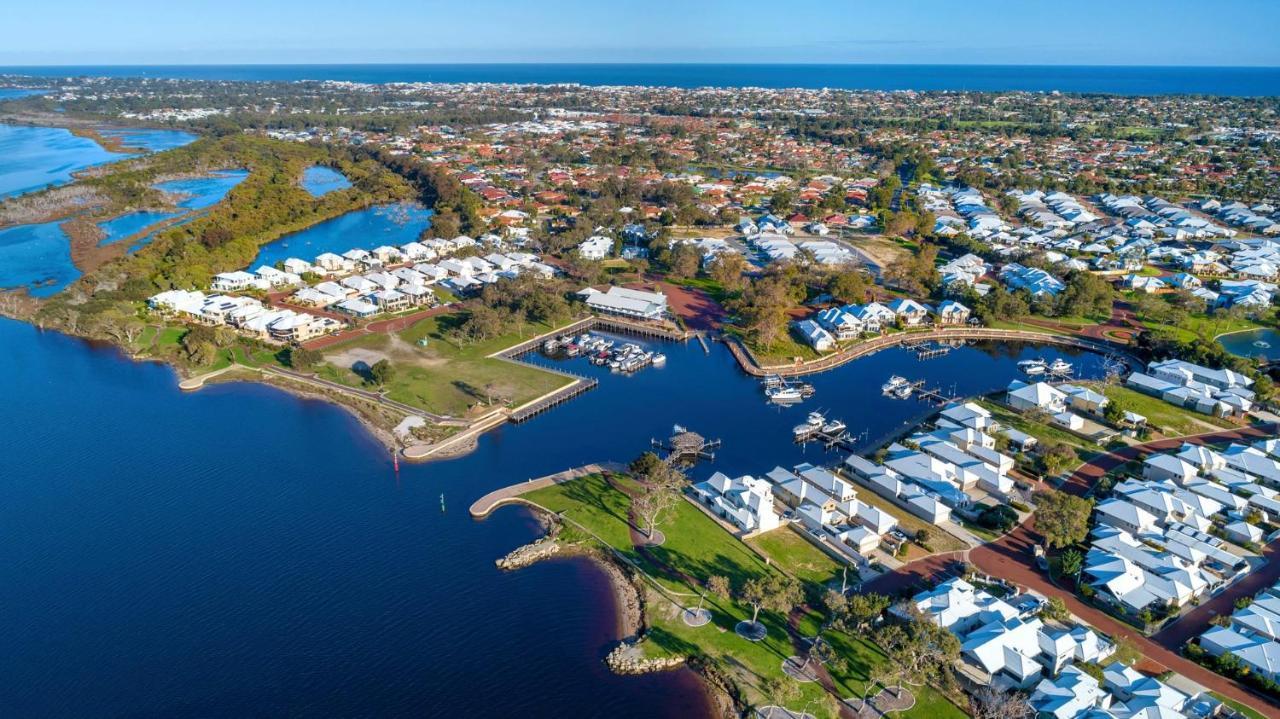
x=752 y=367
x=506 y=495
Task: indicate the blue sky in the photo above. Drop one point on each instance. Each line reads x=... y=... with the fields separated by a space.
x=1048 y=32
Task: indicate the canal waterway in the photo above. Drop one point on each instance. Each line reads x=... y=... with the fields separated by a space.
x=238 y=551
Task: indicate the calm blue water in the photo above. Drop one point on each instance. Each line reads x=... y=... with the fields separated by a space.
x=151 y=140
x=13 y=93
x=32 y=158
x=364 y=229
x=283 y=569
x=1264 y=343
x=320 y=181
x=1121 y=80
x=130 y=224
x=204 y=191
x=37 y=257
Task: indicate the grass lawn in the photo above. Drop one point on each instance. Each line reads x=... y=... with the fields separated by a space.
x=1250 y=713
x=170 y=336
x=797 y=556
x=1203 y=326
x=1015 y=325
x=782 y=352
x=444 y=377
x=1170 y=419
x=697 y=547
x=1043 y=432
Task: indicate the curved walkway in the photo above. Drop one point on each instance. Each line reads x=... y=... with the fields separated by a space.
x=1010 y=557
x=505 y=495
x=749 y=364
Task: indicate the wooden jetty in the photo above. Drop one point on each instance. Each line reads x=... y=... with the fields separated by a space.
x=686 y=446
x=703 y=341
x=559 y=397
x=927 y=394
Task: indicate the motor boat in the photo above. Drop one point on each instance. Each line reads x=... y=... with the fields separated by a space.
x=659 y=359
x=1033 y=366
x=783 y=394
x=903 y=390
x=893 y=384
x=834 y=427
x=1060 y=367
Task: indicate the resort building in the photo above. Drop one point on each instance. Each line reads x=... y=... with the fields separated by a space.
x=626 y=302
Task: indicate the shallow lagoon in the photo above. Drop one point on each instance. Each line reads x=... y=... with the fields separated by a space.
x=1263 y=342
x=204 y=192
x=32 y=158
x=365 y=229
x=149 y=139
x=130 y=224
x=37 y=257
x=320 y=181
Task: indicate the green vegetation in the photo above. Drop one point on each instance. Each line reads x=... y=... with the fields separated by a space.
x=797 y=556
x=448 y=376
x=696 y=549
x=266 y=205
x=1171 y=420
x=1246 y=711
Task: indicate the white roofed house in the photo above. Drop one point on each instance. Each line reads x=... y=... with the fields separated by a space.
x=595 y=248
x=297 y=266
x=1038 y=396
x=626 y=302
x=334 y=263
x=1071 y=695
x=950 y=312
x=1125 y=515
x=1160 y=467
x=908 y=311
x=390 y=300
x=746 y=502
x=815 y=335
x=232 y=281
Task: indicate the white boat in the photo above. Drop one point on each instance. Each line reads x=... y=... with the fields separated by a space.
x=783 y=394
x=903 y=391
x=894 y=383
x=1033 y=366
x=834 y=427
x=1060 y=367
x=659 y=359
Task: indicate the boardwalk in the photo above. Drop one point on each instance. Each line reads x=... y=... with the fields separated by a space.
x=749 y=364
x=506 y=495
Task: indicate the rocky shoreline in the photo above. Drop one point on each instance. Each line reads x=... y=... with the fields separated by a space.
x=627 y=657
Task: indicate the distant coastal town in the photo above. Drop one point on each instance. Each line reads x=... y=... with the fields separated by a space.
x=1068 y=507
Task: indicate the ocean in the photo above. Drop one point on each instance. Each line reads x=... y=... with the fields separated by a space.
x=1118 y=80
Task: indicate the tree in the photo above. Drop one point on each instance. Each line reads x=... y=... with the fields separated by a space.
x=684 y=260
x=866 y=608
x=849 y=286
x=718 y=585
x=1056 y=457
x=301 y=358
x=775 y=593
x=381 y=372
x=1055 y=609
x=1062 y=519
x=653 y=502
x=727 y=268
x=645 y=466
x=1072 y=561
x=778 y=690
x=991 y=703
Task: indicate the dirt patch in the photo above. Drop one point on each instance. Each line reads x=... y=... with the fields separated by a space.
x=357 y=356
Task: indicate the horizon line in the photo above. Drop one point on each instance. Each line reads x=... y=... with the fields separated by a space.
x=690 y=63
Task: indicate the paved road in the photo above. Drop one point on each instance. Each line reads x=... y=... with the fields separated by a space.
x=1010 y=557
